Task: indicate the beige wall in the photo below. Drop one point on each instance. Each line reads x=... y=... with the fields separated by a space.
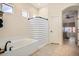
x=55 y=21
x=15 y=24
x=54 y=14
x=43 y=12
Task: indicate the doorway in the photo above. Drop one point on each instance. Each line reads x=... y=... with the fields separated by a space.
x=69 y=26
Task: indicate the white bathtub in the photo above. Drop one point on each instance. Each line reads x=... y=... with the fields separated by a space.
x=17 y=44
x=22 y=47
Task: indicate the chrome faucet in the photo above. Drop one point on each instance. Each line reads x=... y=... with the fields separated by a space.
x=5 y=48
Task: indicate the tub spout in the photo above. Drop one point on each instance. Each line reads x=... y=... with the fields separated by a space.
x=5 y=48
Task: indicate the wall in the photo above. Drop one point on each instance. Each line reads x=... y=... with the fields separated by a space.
x=43 y=12
x=16 y=25
x=55 y=21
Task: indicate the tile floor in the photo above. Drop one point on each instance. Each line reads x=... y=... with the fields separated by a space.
x=68 y=49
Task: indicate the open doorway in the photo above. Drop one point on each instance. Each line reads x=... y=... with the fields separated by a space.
x=69 y=26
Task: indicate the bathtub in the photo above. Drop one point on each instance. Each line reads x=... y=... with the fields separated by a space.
x=22 y=47
x=17 y=44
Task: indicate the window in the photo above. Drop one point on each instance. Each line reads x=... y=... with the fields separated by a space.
x=6 y=8
x=25 y=13
x=69 y=29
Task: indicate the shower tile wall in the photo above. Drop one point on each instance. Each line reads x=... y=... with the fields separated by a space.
x=39 y=29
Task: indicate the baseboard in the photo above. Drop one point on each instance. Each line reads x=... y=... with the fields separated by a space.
x=42 y=45
x=55 y=43
x=39 y=48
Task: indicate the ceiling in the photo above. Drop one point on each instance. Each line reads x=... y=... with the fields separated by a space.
x=40 y=5
x=71 y=14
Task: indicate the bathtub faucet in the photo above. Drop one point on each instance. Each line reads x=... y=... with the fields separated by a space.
x=5 y=48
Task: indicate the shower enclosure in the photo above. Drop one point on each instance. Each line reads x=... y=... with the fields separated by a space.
x=39 y=27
